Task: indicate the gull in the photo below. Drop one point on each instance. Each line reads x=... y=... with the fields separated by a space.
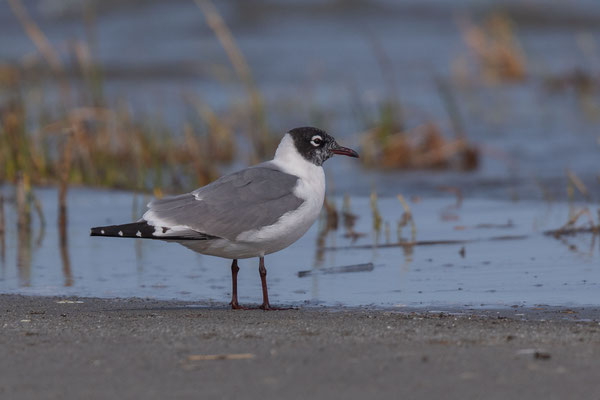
x=250 y=213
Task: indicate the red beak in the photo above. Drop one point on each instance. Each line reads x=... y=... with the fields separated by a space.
x=344 y=151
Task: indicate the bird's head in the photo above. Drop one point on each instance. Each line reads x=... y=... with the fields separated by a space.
x=316 y=146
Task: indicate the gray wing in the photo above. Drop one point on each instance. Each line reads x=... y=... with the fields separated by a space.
x=235 y=203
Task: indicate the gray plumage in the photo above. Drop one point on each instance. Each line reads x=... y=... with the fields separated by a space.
x=242 y=201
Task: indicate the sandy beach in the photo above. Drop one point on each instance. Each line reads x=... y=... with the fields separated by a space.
x=72 y=348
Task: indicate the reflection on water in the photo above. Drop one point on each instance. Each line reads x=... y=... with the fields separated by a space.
x=2 y=237
x=25 y=199
x=24 y=231
x=64 y=248
x=24 y=255
x=475 y=258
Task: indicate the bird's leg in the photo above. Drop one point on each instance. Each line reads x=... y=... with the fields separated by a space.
x=263 y=278
x=234 y=272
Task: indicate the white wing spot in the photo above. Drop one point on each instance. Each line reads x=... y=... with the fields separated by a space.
x=138 y=234
x=102 y=231
x=120 y=233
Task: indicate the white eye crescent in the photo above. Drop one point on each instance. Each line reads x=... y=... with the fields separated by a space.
x=316 y=140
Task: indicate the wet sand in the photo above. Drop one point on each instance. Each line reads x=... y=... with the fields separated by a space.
x=132 y=348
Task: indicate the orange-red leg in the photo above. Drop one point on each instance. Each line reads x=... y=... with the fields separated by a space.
x=263 y=278
x=234 y=299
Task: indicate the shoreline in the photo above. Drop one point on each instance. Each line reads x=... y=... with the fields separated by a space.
x=537 y=312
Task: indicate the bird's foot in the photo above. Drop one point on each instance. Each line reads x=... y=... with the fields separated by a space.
x=235 y=306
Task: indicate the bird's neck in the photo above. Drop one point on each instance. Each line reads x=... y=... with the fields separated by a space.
x=290 y=161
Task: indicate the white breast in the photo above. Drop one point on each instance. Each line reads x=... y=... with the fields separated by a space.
x=292 y=225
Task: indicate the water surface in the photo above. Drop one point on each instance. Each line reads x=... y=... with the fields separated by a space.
x=501 y=258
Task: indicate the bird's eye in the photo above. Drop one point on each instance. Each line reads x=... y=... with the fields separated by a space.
x=316 y=140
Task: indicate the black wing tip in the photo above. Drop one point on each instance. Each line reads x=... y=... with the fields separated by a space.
x=142 y=230
x=132 y=230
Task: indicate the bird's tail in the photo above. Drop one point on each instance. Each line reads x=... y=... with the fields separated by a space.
x=143 y=230
x=133 y=230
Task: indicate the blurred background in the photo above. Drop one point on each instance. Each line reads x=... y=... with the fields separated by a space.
x=489 y=100
x=507 y=90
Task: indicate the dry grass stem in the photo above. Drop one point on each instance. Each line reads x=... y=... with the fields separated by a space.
x=349 y=219
x=262 y=140
x=573 y=219
x=405 y=205
x=407 y=217
x=331 y=215
x=578 y=183
x=496 y=49
x=377 y=220
x=37 y=36
x=43 y=45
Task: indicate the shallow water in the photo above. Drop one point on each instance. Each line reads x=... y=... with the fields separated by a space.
x=506 y=259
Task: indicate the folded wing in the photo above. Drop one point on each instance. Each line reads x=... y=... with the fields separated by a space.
x=249 y=199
